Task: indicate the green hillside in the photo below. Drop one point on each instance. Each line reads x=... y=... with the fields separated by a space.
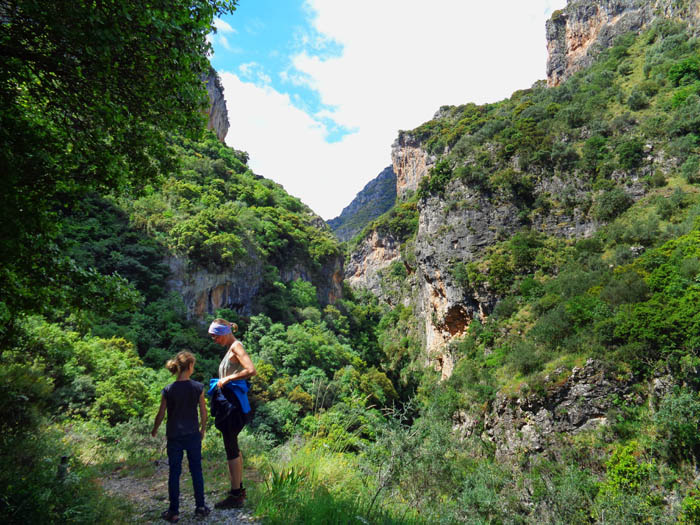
x=378 y=196
x=621 y=138
x=351 y=423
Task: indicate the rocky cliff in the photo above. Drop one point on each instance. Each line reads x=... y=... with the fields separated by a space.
x=572 y=401
x=218 y=114
x=375 y=198
x=578 y=33
x=410 y=162
x=204 y=291
x=365 y=264
x=457 y=227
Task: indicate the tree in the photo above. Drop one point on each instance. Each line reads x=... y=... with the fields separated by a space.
x=89 y=91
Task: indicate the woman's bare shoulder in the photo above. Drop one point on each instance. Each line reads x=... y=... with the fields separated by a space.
x=236 y=348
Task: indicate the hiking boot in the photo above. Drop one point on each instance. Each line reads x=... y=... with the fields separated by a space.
x=234 y=500
x=170 y=516
x=201 y=512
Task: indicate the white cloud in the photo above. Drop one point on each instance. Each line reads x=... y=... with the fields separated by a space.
x=290 y=147
x=254 y=72
x=224 y=42
x=223 y=27
x=401 y=61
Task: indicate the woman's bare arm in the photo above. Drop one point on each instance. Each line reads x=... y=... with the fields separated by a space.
x=245 y=362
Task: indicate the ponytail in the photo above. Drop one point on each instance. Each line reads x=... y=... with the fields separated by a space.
x=182 y=361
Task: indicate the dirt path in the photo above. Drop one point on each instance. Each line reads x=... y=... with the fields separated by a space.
x=148 y=494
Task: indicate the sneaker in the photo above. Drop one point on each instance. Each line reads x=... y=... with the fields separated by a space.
x=202 y=511
x=232 y=501
x=170 y=516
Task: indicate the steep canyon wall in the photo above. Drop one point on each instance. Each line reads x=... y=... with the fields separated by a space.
x=580 y=31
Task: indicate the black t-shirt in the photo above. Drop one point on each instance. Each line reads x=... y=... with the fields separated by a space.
x=182 y=399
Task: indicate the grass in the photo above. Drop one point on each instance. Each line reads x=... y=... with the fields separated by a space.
x=308 y=484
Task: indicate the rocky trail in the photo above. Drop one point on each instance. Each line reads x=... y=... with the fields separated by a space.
x=147 y=494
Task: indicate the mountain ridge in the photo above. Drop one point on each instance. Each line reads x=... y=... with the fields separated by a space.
x=373 y=200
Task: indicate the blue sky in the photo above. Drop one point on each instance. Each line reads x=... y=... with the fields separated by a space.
x=317 y=90
x=260 y=40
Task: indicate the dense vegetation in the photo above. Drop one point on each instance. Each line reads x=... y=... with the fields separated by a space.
x=121 y=178
x=620 y=142
x=349 y=426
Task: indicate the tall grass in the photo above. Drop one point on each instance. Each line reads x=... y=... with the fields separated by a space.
x=319 y=486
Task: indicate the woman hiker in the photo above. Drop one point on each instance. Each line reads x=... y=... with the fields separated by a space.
x=230 y=403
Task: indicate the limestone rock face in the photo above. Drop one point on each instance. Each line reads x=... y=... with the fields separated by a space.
x=579 y=32
x=375 y=198
x=459 y=229
x=456 y=227
x=410 y=162
x=445 y=235
x=375 y=253
x=573 y=402
x=205 y=291
x=218 y=114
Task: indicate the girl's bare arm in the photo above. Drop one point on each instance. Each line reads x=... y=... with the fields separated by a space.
x=159 y=416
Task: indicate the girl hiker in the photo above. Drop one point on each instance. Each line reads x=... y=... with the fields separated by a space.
x=229 y=404
x=181 y=398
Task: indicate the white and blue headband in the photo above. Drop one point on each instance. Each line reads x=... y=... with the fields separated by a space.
x=219 y=329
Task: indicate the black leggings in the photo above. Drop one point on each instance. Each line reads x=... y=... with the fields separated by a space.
x=233 y=426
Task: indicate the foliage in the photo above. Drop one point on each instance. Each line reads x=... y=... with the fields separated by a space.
x=219 y=214
x=677 y=423
x=351 y=423
x=611 y=203
x=434 y=183
x=42 y=483
x=74 y=119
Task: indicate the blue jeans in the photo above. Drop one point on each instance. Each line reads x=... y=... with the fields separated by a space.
x=191 y=443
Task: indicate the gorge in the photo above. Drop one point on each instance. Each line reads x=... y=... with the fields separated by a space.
x=502 y=327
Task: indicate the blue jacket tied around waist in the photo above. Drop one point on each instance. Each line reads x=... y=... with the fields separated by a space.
x=224 y=401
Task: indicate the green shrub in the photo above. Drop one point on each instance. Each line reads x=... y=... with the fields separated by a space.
x=690 y=513
x=531 y=288
x=691 y=169
x=505 y=308
x=624 y=470
x=625 y=287
x=44 y=483
x=677 y=421
x=657 y=180
x=563 y=156
x=649 y=88
x=124 y=395
x=630 y=154
x=436 y=181
x=682 y=147
x=27 y=390
x=525 y=357
x=625 y=68
x=686 y=118
x=460 y=274
x=595 y=151
x=486 y=494
x=610 y=204
x=637 y=100
x=276 y=418
x=684 y=72
x=552 y=328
